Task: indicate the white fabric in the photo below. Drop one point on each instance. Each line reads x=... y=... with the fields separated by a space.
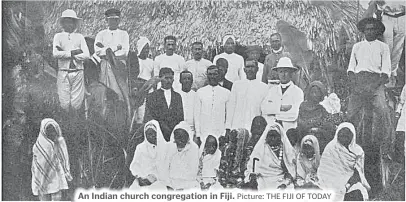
x=211 y=162
x=337 y=164
x=175 y=62
x=331 y=103
x=188 y=102
x=50 y=164
x=371 y=56
x=199 y=70
x=402 y=110
x=141 y=43
x=226 y=37
x=273 y=101
x=69 y=42
x=146 y=68
x=260 y=71
x=394 y=36
x=71 y=89
x=210 y=111
x=182 y=166
x=306 y=169
x=245 y=103
x=148 y=158
x=235 y=66
x=269 y=166
x=111 y=39
x=168 y=96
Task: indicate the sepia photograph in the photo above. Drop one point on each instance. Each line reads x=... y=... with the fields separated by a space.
x=242 y=96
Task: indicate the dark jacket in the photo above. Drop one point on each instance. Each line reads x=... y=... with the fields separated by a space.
x=157 y=109
x=227 y=84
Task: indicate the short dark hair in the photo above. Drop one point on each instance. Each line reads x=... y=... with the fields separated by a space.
x=276 y=34
x=185 y=72
x=221 y=59
x=197 y=43
x=212 y=67
x=170 y=37
x=377 y=25
x=165 y=70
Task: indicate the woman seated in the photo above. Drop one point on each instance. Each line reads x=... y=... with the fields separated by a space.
x=313 y=117
x=182 y=160
x=234 y=159
x=148 y=158
x=341 y=163
x=257 y=128
x=209 y=163
x=308 y=161
x=272 y=161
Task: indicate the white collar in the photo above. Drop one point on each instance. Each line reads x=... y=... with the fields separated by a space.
x=166 y=90
x=286 y=84
x=278 y=51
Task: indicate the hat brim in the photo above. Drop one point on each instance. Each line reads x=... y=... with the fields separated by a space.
x=75 y=18
x=113 y=17
x=291 y=68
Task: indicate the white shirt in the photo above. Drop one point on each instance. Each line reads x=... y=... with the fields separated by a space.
x=198 y=69
x=371 y=56
x=210 y=111
x=168 y=96
x=260 y=71
x=175 y=62
x=188 y=101
x=111 y=39
x=274 y=99
x=235 y=66
x=146 y=68
x=245 y=103
x=68 y=42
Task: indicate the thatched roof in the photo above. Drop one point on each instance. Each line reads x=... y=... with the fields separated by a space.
x=208 y=20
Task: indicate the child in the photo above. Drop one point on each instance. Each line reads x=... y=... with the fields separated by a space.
x=71 y=50
x=50 y=164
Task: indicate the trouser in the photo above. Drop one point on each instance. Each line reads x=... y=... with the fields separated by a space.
x=372 y=168
x=51 y=197
x=394 y=36
x=71 y=89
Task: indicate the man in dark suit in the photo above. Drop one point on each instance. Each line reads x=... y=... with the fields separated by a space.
x=164 y=104
x=222 y=64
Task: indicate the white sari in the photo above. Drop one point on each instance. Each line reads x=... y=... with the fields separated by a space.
x=208 y=166
x=269 y=166
x=148 y=159
x=337 y=165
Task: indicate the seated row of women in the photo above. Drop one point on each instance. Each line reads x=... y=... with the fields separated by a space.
x=263 y=162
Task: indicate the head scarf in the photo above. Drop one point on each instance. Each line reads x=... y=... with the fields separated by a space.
x=260 y=148
x=226 y=37
x=183 y=125
x=209 y=163
x=304 y=165
x=141 y=43
x=147 y=156
x=50 y=161
x=337 y=164
x=318 y=84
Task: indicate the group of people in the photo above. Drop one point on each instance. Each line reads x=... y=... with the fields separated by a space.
x=233 y=122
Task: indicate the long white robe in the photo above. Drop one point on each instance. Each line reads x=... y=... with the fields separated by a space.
x=337 y=165
x=182 y=166
x=273 y=101
x=236 y=65
x=211 y=164
x=149 y=159
x=210 y=111
x=245 y=103
x=269 y=166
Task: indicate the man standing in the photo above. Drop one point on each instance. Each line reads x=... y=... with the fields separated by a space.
x=113 y=41
x=283 y=101
x=271 y=59
x=164 y=104
x=222 y=65
x=71 y=50
x=236 y=62
x=253 y=53
x=210 y=111
x=369 y=69
x=246 y=98
x=198 y=66
x=188 y=99
x=170 y=59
